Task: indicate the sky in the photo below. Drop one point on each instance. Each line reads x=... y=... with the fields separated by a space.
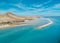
x=31 y=7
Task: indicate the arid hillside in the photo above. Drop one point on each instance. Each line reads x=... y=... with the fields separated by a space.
x=9 y=18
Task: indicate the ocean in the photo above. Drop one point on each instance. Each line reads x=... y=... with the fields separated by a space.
x=31 y=34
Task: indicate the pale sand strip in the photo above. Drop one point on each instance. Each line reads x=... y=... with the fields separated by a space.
x=8 y=26
x=50 y=22
x=4 y=26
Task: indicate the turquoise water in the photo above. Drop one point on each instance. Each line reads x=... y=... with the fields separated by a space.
x=30 y=34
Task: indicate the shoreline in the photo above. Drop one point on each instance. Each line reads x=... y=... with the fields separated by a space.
x=8 y=26
x=23 y=24
x=39 y=27
x=45 y=25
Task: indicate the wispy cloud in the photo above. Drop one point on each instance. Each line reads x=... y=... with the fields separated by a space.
x=19 y=5
x=57 y=6
x=22 y=6
x=40 y=5
x=48 y=2
x=12 y=10
x=33 y=9
x=8 y=10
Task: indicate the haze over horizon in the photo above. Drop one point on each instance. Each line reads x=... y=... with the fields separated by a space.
x=31 y=7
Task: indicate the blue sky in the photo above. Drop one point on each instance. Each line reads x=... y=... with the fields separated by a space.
x=31 y=7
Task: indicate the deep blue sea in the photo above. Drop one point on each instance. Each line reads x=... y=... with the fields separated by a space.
x=31 y=34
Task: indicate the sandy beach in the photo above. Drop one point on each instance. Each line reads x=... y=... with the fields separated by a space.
x=50 y=22
x=8 y=26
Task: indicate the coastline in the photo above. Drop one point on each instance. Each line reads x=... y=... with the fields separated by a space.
x=8 y=26
x=45 y=25
x=11 y=20
x=14 y=25
x=26 y=23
